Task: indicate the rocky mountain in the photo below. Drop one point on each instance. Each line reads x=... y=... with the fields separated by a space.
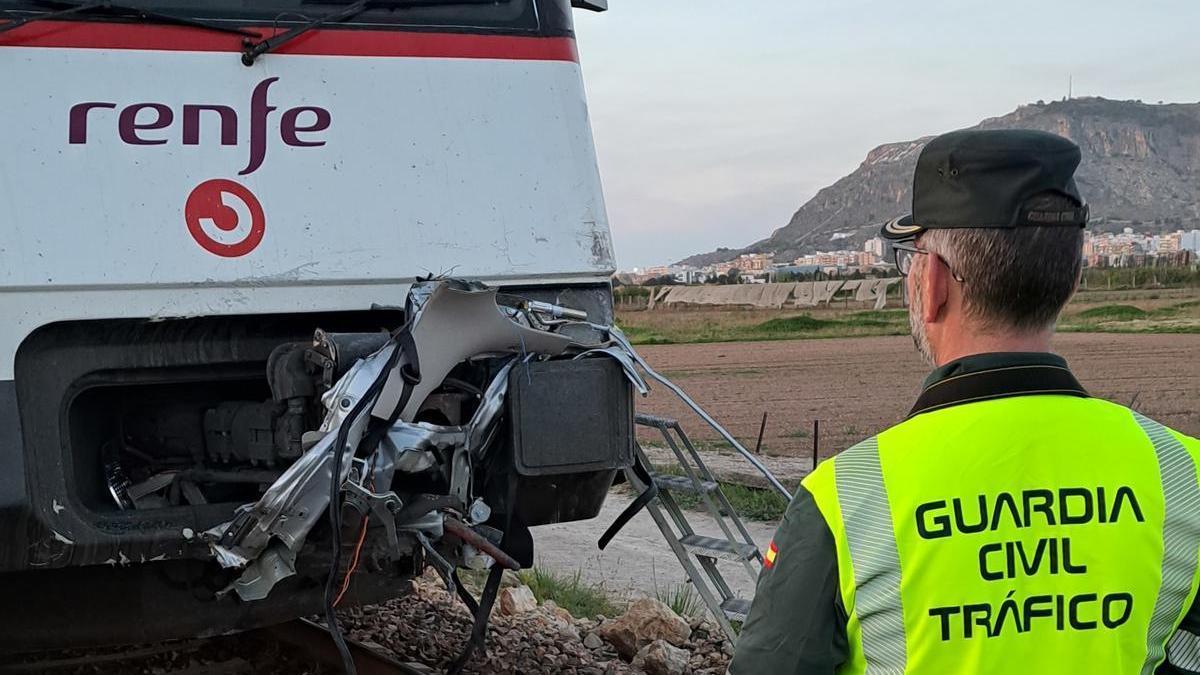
x=1141 y=166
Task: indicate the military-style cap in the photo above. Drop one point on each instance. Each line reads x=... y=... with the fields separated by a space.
x=974 y=178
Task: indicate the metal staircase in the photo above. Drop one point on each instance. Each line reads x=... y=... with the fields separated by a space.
x=698 y=554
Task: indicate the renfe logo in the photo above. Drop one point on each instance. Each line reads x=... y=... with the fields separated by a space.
x=138 y=122
x=225 y=218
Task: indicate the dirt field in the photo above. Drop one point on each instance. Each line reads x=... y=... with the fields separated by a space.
x=859 y=386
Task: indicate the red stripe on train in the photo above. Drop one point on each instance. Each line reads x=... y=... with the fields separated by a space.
x=321 y=42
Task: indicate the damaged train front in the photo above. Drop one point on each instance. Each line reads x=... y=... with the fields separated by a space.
x=477 y=418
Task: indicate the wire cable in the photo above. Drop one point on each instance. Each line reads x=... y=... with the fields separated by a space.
x=335 y=504
x=362 y=537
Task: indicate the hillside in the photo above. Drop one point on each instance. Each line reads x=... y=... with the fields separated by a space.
x=1141 y=163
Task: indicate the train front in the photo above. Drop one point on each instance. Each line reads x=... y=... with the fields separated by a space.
x=300 y=298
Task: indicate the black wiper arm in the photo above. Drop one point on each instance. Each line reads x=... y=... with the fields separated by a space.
x=125 y=11
x=253 y=51
x=17 y=23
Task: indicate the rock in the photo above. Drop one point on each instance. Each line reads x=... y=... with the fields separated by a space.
x=558 y=612
x=645 y=621
x=661 y=658
x=592 y=641
x=517 y=600
x=567 y=632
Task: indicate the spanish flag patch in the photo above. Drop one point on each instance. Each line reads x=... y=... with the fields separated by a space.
x=769 y=560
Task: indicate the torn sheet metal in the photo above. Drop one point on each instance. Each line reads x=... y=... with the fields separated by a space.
x=451 y=322
x=623 y=357
x=458 y=322
x=297 y=500
x=411 y=447
x=274 y=565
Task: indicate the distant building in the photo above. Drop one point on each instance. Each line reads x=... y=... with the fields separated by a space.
x=754 y=262
x=796 y=270
x=1169 y=243
x=1129 y=248
x=1190 y=241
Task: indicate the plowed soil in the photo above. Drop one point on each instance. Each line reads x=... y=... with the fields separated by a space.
x=857 y=387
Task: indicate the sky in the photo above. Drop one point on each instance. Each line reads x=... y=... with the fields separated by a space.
x=714 y=121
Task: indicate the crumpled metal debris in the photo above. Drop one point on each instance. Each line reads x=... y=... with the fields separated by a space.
x=454 y=321
x=293 y=504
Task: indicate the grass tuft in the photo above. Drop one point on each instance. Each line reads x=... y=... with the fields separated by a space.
x=755 y=503
x=749 y=502
x=681 y=598
x=569 y=591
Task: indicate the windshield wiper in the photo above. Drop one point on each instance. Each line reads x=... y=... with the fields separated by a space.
x=123 y=11
x=255 y=50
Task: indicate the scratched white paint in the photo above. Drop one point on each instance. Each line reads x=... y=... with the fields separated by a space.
x=480 y=168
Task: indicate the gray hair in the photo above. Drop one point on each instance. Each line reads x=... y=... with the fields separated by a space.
x=1016 y=279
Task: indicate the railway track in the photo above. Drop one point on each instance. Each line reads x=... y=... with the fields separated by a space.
x=298 y=647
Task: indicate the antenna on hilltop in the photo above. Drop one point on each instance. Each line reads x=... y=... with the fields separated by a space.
x=1070 y=86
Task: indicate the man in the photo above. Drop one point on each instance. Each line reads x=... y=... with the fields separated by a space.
x=1011 y=523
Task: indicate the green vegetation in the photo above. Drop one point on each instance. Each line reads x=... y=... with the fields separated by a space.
x=749 y=502
x=631 y=292
x=1112 y=313
x=569 y=591
x=1158 y=310
x=686 y=327
x=791 y=324
x=681 y=598
x=869 y=322
x=755 y=503
x=1180 y=317
x=642 y=336
x=1117 y=278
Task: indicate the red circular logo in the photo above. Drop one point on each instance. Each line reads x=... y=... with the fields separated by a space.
x=225 y=218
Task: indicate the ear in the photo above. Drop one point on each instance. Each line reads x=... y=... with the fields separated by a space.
x=936 y=289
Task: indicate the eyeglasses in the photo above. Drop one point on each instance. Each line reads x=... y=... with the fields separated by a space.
x=905 y=254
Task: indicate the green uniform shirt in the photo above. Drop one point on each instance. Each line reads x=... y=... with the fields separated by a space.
x=799 y=622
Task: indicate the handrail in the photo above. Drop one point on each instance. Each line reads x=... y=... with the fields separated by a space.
x=619 y=337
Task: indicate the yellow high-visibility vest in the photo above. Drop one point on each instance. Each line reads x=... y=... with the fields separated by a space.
x=1026 y=534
